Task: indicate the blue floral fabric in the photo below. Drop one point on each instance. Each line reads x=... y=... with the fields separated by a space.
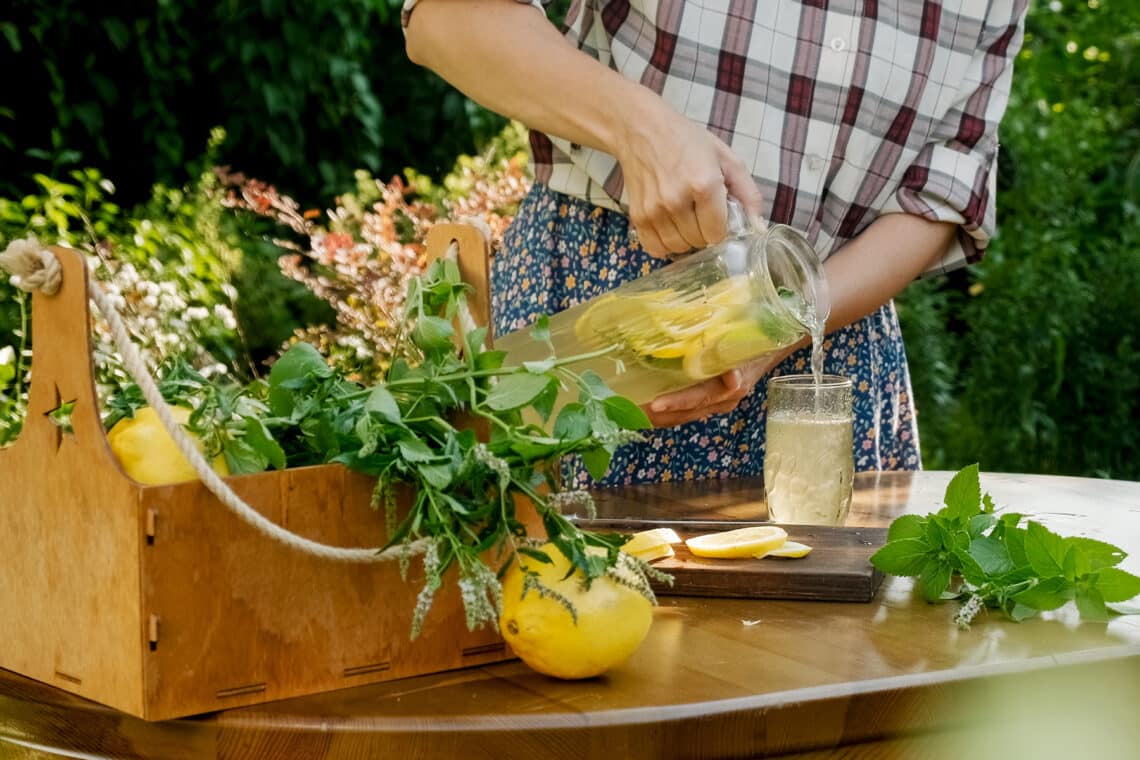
x=561 y=250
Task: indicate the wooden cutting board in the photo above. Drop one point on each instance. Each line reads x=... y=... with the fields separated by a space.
x=837 y=569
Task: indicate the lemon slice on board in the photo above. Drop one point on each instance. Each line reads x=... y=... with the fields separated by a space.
x=652 y=544
x=739 y=543
x=789 y=550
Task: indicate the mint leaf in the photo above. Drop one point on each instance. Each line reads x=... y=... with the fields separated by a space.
x=263 y=443
x=906 y=556
x=381 y=401
x=907 y=526
x=541 y=329
x=1018 y=612
x=1014 y=540
x=963 y=494
x=573 y=423
x=515 y=391
x=433 y=334
x=1091 y=605
x=1049 y=594
x=626 y=414
x=1116 y=585
x=597 y=461
x=415 y=450
x=979 y=524
x=991 y=555
x=935 y=579
x=937 y=535
x=970 y=568
x=1092 y=555
x=1045 y=550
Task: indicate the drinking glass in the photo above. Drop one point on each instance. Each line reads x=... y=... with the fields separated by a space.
x=809 y=462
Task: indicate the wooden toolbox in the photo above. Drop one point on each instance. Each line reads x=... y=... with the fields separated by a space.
x=160 y=602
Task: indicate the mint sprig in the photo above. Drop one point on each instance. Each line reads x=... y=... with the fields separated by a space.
x=966 y=551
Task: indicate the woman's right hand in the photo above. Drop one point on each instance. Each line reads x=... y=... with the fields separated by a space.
x=678 y=177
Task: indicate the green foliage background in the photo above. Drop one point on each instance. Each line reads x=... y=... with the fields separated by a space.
x=1028 y=362
x=1031 y=361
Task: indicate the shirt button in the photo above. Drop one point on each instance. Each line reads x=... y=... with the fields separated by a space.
x=838 y=44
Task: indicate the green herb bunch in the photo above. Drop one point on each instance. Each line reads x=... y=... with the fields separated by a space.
x=226 y=417
x=967 y=551
x=415 y=428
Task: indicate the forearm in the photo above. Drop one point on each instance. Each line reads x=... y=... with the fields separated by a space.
x=510 y=59
x=882 y=260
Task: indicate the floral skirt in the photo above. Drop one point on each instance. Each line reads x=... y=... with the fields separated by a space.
x=562 y=250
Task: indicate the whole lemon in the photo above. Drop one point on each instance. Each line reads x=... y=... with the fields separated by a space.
x=147 y=453
x=613 y=619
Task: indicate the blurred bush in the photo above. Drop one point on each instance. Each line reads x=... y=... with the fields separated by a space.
x=308 y=91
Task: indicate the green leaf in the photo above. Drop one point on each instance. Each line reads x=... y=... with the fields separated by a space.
x=595 y=387
x=535 y=554
x=935 y=579
x=597 y=461
x=242 y=459
x=1045 y=550
x=907 y=526
x=1092 y=555
x=1090 y=602
x=573 y=423
x=490 y=360
x=906 y=556
x=1014 y=540
x=1049 y=594
x=1116 y=585
x=475 y=340
x=295 y=367
x=541 y=329
x=433 y=334
x=979 y=524
x=436 y=475
x=544 y=402
x=515 y=391
x=963 y=494
x=937 y=536
x=415 y=450
x=969 y=567
x=626 y=414
x=991 y=555
x=382 y=402
x=260 y=440
x=1018 y=612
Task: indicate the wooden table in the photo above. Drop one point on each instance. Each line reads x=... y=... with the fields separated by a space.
x=717 y=677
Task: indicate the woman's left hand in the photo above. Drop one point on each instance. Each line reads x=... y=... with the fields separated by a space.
x=717 y=395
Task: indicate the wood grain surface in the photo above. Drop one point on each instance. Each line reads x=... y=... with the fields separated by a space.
x=717 y=678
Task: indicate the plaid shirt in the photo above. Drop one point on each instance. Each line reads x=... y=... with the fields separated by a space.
x=843 y=109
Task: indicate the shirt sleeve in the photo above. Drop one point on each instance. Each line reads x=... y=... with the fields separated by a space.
x=409 y=6
x=953 y=177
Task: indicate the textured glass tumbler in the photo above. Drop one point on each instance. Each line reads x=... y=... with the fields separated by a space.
x=809 y=461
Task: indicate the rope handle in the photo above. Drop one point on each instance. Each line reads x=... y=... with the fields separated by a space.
x=36 y=269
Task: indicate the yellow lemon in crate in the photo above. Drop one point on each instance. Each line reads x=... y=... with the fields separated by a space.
x=147 y=453
x=612 y=619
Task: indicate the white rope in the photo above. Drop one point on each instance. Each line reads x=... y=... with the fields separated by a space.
x=28 y=258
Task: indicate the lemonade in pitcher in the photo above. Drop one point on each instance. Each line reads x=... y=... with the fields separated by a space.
x=758 y=291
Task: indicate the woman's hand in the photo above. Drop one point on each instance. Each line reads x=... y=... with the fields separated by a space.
x=678 y=177
x=717 y=395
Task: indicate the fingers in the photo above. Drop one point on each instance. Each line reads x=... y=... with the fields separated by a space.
x=740 y=183
x=718 y=395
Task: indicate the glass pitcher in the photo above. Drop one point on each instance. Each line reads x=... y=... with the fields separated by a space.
x=759 y=290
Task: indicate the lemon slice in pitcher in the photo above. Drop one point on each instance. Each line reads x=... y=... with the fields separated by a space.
x=739 y=543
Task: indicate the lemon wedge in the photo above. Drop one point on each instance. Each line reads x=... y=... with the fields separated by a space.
x=739 y=543
x=790 y=550
x=652 y=544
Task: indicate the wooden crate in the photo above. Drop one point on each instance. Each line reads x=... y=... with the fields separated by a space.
x=157 y=600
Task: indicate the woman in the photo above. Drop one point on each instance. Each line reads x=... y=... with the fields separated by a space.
x=871 y=129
